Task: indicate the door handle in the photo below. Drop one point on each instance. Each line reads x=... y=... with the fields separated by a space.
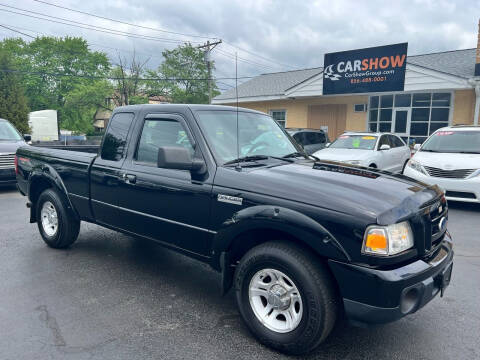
x=129 y=178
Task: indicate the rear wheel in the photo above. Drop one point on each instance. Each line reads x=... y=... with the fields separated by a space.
x=58 y=226
x=372 y=166
x=286 y=297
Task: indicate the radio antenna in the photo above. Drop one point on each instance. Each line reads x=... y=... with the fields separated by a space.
x=238 y=167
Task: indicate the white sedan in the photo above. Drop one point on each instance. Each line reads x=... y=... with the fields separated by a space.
x=450 y=158
x=376 y=150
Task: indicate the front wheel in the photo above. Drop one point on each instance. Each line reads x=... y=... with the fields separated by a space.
x=58 y=226
x=286 y=297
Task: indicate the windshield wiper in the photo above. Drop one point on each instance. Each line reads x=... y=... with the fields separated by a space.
x=255 y=158
x=246 y=159
x=294 y=154
x=468 y=152
x=429 y=150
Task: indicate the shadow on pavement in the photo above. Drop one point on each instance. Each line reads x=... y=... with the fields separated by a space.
x=4 y=189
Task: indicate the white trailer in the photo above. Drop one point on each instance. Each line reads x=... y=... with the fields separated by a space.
x=44 y=125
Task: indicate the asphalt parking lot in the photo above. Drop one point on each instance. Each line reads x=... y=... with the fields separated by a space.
x=114 y=297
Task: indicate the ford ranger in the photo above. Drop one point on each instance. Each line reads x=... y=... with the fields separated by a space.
x=302 y=241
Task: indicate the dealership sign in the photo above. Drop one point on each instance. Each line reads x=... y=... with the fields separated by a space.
x=374 y=69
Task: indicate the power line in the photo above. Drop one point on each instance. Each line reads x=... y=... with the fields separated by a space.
x=113 y=78
x=124 y=22
x=12 y=28
x=16 y=31
x=89 y=43
x=252 y=63
x=88 y=26
x=259 y=56
x=165 y=31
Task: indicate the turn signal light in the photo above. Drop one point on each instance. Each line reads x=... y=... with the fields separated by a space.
x=376 y=241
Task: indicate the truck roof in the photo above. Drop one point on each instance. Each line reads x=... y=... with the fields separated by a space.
x=177 y=107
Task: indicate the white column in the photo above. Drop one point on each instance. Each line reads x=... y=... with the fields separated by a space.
x=477 y=103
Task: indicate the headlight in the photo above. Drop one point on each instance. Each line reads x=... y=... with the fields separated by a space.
x=388 y=240
x=416 y=166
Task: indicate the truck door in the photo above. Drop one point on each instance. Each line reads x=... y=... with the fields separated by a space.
x=166 y=205
x=106 y=172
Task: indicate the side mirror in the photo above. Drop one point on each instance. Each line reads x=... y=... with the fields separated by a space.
x=27 y=137
x=179 y=158
x=416 y=147
x=384 y=147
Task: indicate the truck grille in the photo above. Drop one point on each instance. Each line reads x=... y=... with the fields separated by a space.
x=7 y=161
x=435 y=210
x=451 y=174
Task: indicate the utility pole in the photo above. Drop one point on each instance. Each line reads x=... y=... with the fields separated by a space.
x=208 y=48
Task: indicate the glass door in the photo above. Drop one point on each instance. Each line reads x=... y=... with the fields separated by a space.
x=401 y=121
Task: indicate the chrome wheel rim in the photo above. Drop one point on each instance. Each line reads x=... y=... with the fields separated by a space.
x=49 y=218
x=275 y=300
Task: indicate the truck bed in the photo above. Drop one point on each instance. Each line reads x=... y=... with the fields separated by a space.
x=68 y=168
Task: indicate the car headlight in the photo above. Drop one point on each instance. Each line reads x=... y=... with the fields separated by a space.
x=415 y=165
x=387 y=240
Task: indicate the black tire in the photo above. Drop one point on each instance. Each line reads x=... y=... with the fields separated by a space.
x=315 y=285
x=373 y=166
x=68 y=225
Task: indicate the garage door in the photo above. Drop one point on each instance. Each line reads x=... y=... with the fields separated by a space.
x=333 y=117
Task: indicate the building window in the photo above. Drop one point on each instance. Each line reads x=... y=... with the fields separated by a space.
x=360 y=107
x=280 y=116
x=412 y=116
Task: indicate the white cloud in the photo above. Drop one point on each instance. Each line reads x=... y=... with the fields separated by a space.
x=290 y=32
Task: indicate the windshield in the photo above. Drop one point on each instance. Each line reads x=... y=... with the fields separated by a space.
x=8 y=132
x=258 y=135
x=362 y=142
x=453 y=142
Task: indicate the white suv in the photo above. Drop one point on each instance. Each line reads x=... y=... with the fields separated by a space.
x=450 y=158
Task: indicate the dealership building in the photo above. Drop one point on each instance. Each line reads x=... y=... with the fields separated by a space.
x=439 y=89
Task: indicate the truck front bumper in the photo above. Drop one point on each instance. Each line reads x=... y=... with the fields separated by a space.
x=372 y=296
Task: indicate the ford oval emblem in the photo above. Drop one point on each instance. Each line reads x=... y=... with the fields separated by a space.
x=442 y=225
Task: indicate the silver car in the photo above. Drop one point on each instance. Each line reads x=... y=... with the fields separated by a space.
x=10 y=141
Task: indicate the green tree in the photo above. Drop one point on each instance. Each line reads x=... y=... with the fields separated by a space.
x=62 y=74
x=13 y=104
x=185 y=63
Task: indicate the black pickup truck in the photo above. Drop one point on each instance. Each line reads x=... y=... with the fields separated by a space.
x=303 y=241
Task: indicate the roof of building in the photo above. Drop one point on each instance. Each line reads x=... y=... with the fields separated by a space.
x=270 y=84
x=457 y=62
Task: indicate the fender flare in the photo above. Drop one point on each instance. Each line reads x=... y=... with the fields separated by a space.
x=265 y=217
x=48 y=173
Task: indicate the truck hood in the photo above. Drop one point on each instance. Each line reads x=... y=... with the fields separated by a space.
x=448 y=161
x=367 y=194
x=10 y=147
x=343 y=154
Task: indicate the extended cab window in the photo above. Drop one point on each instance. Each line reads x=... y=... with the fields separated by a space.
x=161 y=132
x=113 y=147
